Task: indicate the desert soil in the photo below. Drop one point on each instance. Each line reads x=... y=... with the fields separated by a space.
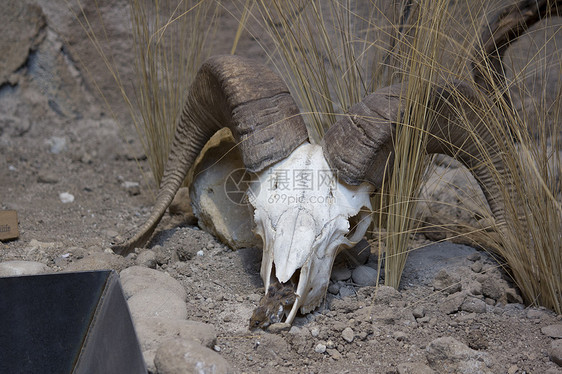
x=456 y=310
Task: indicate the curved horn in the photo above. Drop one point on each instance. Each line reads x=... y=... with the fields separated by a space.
x=234 y=92
x=360 y=146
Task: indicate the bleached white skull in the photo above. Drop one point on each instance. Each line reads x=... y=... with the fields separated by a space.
x=302 y=214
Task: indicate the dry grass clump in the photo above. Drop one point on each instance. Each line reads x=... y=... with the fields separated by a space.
x=327 y=51
x=334 y=52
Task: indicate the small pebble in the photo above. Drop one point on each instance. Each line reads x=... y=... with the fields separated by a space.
x=348 y=335
x=200 y=253
x=320 y=348
x=418 y=312
x=66 y=197
x=364 y=276
x=553 y=331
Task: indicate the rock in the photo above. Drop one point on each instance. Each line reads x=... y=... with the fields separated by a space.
x=334 y=353
x=157 y=302
x=447 y=282
x=181 y=203
x=137 y=278
x=491 y=288
x=149 y=360
x=473 y=305
x=18 y=268
x=448 y=355
x=477 y=340
x=340 y=273
x=66 y=197
x=320 y=348
x=22 y=26
x=554 y=331
x=474 y=257
x=132 y=188
x=348 y=335
x=452 y=303
x=476 y=267
x=99 y=261
x=400 y=336
x=512 y=369
x=179 y=356
x=218 y=195
x=418 y=312
x=147 y=258
x=555 y=352
x=346 y=291
x=386 y=295
x=512 y=296
x=533 y=313
x=364 y=276
x=56 y=144
x=334 y=288
x=152 y=331
x=315 y=331
x=359 y=253
x=414 y=368
x=47 y=178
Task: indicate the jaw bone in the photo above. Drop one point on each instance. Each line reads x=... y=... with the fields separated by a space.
x=302 y=214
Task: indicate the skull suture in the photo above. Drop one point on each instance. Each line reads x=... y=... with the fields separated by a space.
x=302 y=214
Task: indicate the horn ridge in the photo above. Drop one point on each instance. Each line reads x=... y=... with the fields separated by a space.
x=235 y=92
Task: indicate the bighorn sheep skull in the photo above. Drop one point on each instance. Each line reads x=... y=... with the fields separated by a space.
x=301 y=241
x=302 y=215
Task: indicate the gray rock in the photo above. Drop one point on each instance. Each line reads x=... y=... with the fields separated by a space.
x=99 y=261
x=340 y=273
x=47 y=178
x=22 y=30
x=448 y=355
x=400 y=336
x=179 y=356
x=147 y=258
x=414 y=368
x=348 y=335
x=452 y=303
x=512 y=296
x=152 y=331
x=156 y=302
x=533 y=313
x=492 y=288
x=137 y=279
x=334 y=288
x=320 y=348
x=554 y=331
x=181 y=203
x=555 y=352
x=386 y=295
x=447 y=282
x=359 y=253
x=132 y=188
x=364 y=276
x=473 y=305
x=476 y=267
x=149 y=360
x=418 y=312
x=17 y=268
x=347 y=291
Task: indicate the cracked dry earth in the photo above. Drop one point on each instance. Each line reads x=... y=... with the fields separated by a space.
x=73 y=178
